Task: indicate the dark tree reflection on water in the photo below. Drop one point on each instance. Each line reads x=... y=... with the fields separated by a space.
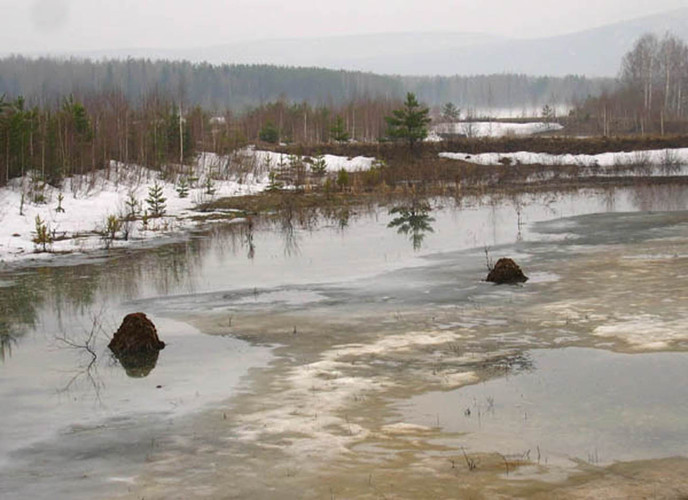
x=7 y=340
x=414 y=220
x=247 y=230
x=18 y=314
x=670 y=197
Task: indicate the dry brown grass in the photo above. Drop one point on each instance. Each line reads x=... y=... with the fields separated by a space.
x=395 y=154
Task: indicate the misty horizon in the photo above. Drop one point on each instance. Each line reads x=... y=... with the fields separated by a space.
x=49 y=26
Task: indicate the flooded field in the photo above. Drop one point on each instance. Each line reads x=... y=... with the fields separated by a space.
x=364 y=357
x=573 y=404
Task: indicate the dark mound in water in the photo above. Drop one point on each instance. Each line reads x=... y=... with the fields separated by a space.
x=506 y=271
x=136 y=345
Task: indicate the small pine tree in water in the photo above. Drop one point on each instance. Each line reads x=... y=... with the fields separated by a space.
x=328 y=187
x=113 y=225
x=156 y=200
x=343 y=179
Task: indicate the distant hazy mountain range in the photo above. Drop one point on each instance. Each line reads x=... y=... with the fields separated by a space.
x=594 y=52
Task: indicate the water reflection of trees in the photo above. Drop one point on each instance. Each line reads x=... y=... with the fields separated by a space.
x=664 y=197
x=292 y=218
x=413 y=219
x=247 y=234
x=288 y=230
x=86 y=367
x=7 y=340
x=54 y=291
x=17 y=313
x=53 y=294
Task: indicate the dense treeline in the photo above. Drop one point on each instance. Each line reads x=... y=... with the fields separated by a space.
x=521 y=93
x=238 y=87
x=81 y=135
x=651 y=95
x=211 y=87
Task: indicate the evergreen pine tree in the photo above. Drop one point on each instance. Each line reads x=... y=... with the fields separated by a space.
x=209 y=186
x=319 y=165
x=133 y=207
x=274 y=185
x=338 y=130
x=183 y=187
x=43 y=237
x=450 y=113
x=410 y=123
x=156 y=200
x=342 y=179
x=269 y=133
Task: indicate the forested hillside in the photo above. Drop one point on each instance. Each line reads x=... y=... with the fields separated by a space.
x=237 y=87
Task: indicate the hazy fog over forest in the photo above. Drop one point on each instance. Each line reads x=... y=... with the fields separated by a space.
x=76 y=25
x=487 y=55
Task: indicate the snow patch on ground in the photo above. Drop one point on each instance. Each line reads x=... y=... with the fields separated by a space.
x=668 y=157
x=273 y=160
x=645 y=331
x=494 y=129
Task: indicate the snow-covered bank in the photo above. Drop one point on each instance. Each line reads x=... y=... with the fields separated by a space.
x=272 y=160
x=75 y=223
x=76 y=214
x=657 y=157
x=495 y=129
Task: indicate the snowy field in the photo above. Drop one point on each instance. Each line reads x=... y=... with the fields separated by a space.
x=494 y=129
x=658 y=157
x=88 y=201
x=333 y=163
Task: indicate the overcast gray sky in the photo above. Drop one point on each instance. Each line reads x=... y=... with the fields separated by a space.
x=62 y=25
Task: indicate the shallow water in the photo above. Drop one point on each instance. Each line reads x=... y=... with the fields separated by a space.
x=72 y=428
x=574 y=403
x=339 y=324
